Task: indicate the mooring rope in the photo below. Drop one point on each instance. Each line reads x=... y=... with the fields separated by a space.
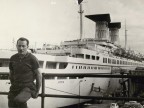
x=62 y=91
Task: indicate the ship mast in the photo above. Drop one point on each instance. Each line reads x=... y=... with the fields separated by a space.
x=81 y=19
x=125 y=36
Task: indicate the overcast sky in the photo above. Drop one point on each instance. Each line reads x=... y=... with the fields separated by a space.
x=53 y=21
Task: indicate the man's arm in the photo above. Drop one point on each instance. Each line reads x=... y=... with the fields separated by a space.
x=11 y=76
x=38 y=80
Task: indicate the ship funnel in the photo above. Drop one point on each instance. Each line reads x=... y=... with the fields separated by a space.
x=102 y=30
x=114 y=32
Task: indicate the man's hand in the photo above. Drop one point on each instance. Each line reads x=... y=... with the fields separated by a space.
x=35 y=95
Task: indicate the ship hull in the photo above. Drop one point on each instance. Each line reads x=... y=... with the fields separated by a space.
x=74 y=87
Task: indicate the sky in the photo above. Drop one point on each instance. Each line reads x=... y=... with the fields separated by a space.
x=54 y=21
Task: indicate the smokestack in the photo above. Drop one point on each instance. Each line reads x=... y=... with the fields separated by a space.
x=114 y=32
x=102 y=30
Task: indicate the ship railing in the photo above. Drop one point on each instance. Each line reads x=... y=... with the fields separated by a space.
x=4 y=76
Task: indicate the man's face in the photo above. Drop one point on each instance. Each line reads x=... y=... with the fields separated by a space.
x=22 y=47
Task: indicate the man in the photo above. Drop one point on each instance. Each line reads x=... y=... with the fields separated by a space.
x=24 y=69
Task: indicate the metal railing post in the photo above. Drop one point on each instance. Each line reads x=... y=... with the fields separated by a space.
x=43 y=91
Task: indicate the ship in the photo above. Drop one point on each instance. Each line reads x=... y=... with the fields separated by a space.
x=101 y=54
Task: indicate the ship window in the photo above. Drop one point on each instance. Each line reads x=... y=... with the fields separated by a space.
x=41 y=64
x=97 y=57
x=104 y=60
x=80 y=67
x=117 y=61
x=109 y=60
x=63 y=65
x=61 y=77
x=122 y=62
x=4 y=62
x=114 y=61
x=87 y=56
x=51 y=65
x=80 y=77
x=80 y=55
x=84 y=67
x=93 y=57
x=48 y=48
x=95 y=67
x=88 y=67
x=72 y=77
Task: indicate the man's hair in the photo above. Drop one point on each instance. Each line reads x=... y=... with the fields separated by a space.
x=23 y=39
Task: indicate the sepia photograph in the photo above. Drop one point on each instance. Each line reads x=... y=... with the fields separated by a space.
x=71 y=54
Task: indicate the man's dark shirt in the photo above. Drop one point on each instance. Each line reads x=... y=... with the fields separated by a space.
x=23 y=68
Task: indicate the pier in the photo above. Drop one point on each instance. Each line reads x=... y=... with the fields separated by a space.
x=134 y=79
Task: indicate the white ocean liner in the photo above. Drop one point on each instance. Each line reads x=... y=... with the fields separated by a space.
x=101 y=54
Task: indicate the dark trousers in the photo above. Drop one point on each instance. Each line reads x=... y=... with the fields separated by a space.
x=19 y=94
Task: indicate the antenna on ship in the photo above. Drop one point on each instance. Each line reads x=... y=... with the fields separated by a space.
x=81 y=20
x=125 y=36
x=13 y=42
